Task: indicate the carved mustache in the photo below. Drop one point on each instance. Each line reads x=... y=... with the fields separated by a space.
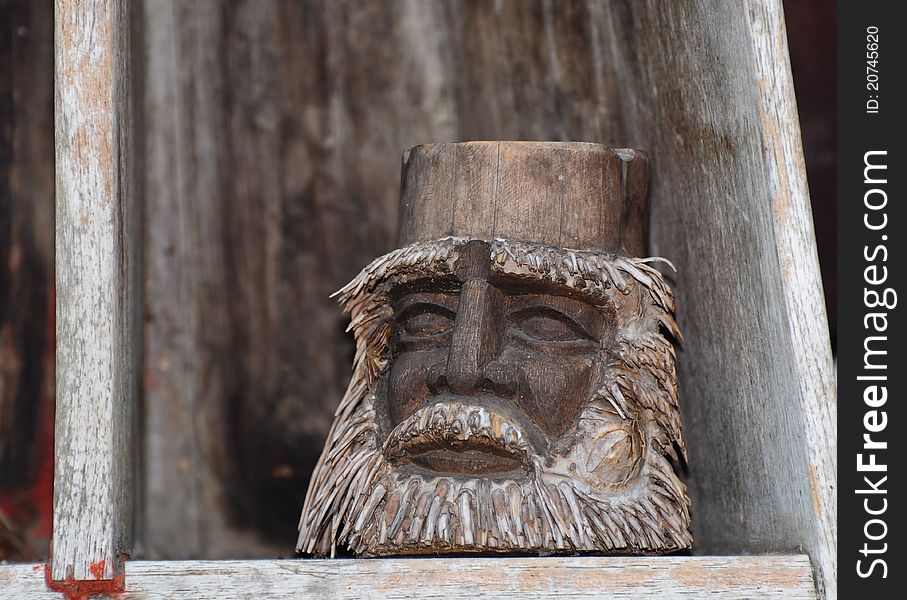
x=455 y=422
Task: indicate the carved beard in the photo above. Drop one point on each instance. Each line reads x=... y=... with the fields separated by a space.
x=362 y=497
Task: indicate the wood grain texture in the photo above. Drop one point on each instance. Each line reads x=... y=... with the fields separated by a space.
x=289 y=119
x=730 y=207
x=801 y=281
x=567 y=195
x=727 y=577
x=96 y=275
x=252 y=213
x=581 y=423
x=26 y=220
x=187 y=335
x=292 y=119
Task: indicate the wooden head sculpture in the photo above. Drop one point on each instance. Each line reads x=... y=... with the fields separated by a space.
x=514 y=386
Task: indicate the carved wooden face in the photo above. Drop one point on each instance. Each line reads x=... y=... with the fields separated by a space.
x=521 y=351
x=507 y=396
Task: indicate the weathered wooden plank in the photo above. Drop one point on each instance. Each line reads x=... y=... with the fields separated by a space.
x=185 y=415
x=730 y=207
x=726 y=577
x=96 y=275
x=801 y=283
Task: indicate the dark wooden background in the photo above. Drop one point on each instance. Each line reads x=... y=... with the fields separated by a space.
x=269 y=141
x=26 y=278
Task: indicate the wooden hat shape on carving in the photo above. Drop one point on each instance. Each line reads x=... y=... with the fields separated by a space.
x=514 y=387
x=564 y=194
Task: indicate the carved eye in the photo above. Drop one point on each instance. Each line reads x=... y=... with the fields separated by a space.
x=425 y=321
x=546 y=325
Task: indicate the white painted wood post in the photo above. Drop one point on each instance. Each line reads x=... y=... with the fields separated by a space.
x=96 y=271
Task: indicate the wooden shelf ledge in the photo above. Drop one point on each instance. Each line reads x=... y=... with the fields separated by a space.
x=726 y=577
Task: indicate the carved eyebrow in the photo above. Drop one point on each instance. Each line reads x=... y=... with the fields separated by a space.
x=538 y=283
x=448 y=285
x=598 y=274
x=447 y=301
x=593 y=275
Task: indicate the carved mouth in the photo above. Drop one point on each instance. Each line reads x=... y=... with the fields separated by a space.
x=472 y=458
x=460 y=438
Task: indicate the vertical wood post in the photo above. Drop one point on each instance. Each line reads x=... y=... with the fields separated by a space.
x=96 y=260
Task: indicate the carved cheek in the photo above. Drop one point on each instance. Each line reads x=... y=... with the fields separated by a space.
x=555 y=388
x=615 y=452
x=407 y=388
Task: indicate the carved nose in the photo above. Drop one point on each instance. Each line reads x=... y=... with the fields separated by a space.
x=476 y=337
